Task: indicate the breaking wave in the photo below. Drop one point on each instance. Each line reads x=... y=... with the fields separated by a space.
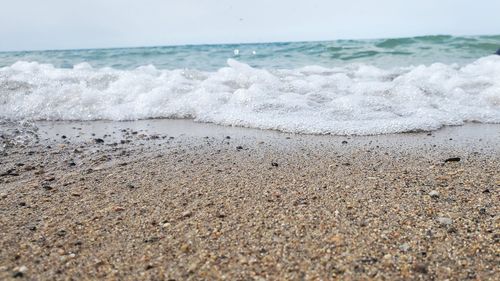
x=356 y=99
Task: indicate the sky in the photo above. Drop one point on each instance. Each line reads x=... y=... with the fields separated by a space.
x=77 y=24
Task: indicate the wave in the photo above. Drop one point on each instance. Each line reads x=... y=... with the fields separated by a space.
x=355 y=99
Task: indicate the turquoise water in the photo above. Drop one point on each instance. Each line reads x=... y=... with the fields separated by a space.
x=381 y=53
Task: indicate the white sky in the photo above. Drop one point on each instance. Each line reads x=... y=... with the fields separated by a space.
x=69 y=24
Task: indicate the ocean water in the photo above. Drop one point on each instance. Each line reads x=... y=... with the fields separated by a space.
x=340 y=87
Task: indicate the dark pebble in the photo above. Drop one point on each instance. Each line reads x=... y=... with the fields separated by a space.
x=420 y=268
x=10 y=172
x=369 y=260
x=18 y=274
x=63 y=137
x=130 y=186
x=29 y=168
x=98 y=140
x=149 y=266
x=452 y=159
x=274 y=164
x=344 y=142
x=239 y=147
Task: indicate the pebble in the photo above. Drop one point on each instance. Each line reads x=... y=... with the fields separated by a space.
x=19 y=271
x=444 y=221
x=118 y=209
x=420 y=268
x=185 y=248
x=23 y=269
x=151 y=239
x=434 y=194
x=452 y=159
x=10 y=172
x=187 y=214
x=404 y=247
x=49 y=178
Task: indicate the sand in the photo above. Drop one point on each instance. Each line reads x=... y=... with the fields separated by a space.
x=176 y=200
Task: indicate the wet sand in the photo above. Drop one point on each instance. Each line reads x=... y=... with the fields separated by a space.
x=176 y=200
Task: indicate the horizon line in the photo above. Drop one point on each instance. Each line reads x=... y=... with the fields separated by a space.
x=242 y=43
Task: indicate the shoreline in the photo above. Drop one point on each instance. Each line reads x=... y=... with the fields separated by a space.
x=477 y=134
x=174 y=199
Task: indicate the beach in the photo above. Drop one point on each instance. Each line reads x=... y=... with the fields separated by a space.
x=178 y=200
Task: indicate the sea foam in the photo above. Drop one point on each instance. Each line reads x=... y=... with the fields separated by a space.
x=352 y=99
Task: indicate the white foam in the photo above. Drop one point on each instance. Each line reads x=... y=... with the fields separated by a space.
x=354 y=99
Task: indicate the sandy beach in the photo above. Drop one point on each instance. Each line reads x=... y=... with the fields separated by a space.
x=177 y=200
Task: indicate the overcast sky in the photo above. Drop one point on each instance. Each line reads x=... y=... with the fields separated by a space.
x=69 y=24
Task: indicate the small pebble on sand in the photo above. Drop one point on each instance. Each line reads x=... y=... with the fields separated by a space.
x=404 y=247
x=444 y=221
x=434 y=194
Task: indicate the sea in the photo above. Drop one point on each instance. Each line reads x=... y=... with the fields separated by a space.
x=342 y=87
